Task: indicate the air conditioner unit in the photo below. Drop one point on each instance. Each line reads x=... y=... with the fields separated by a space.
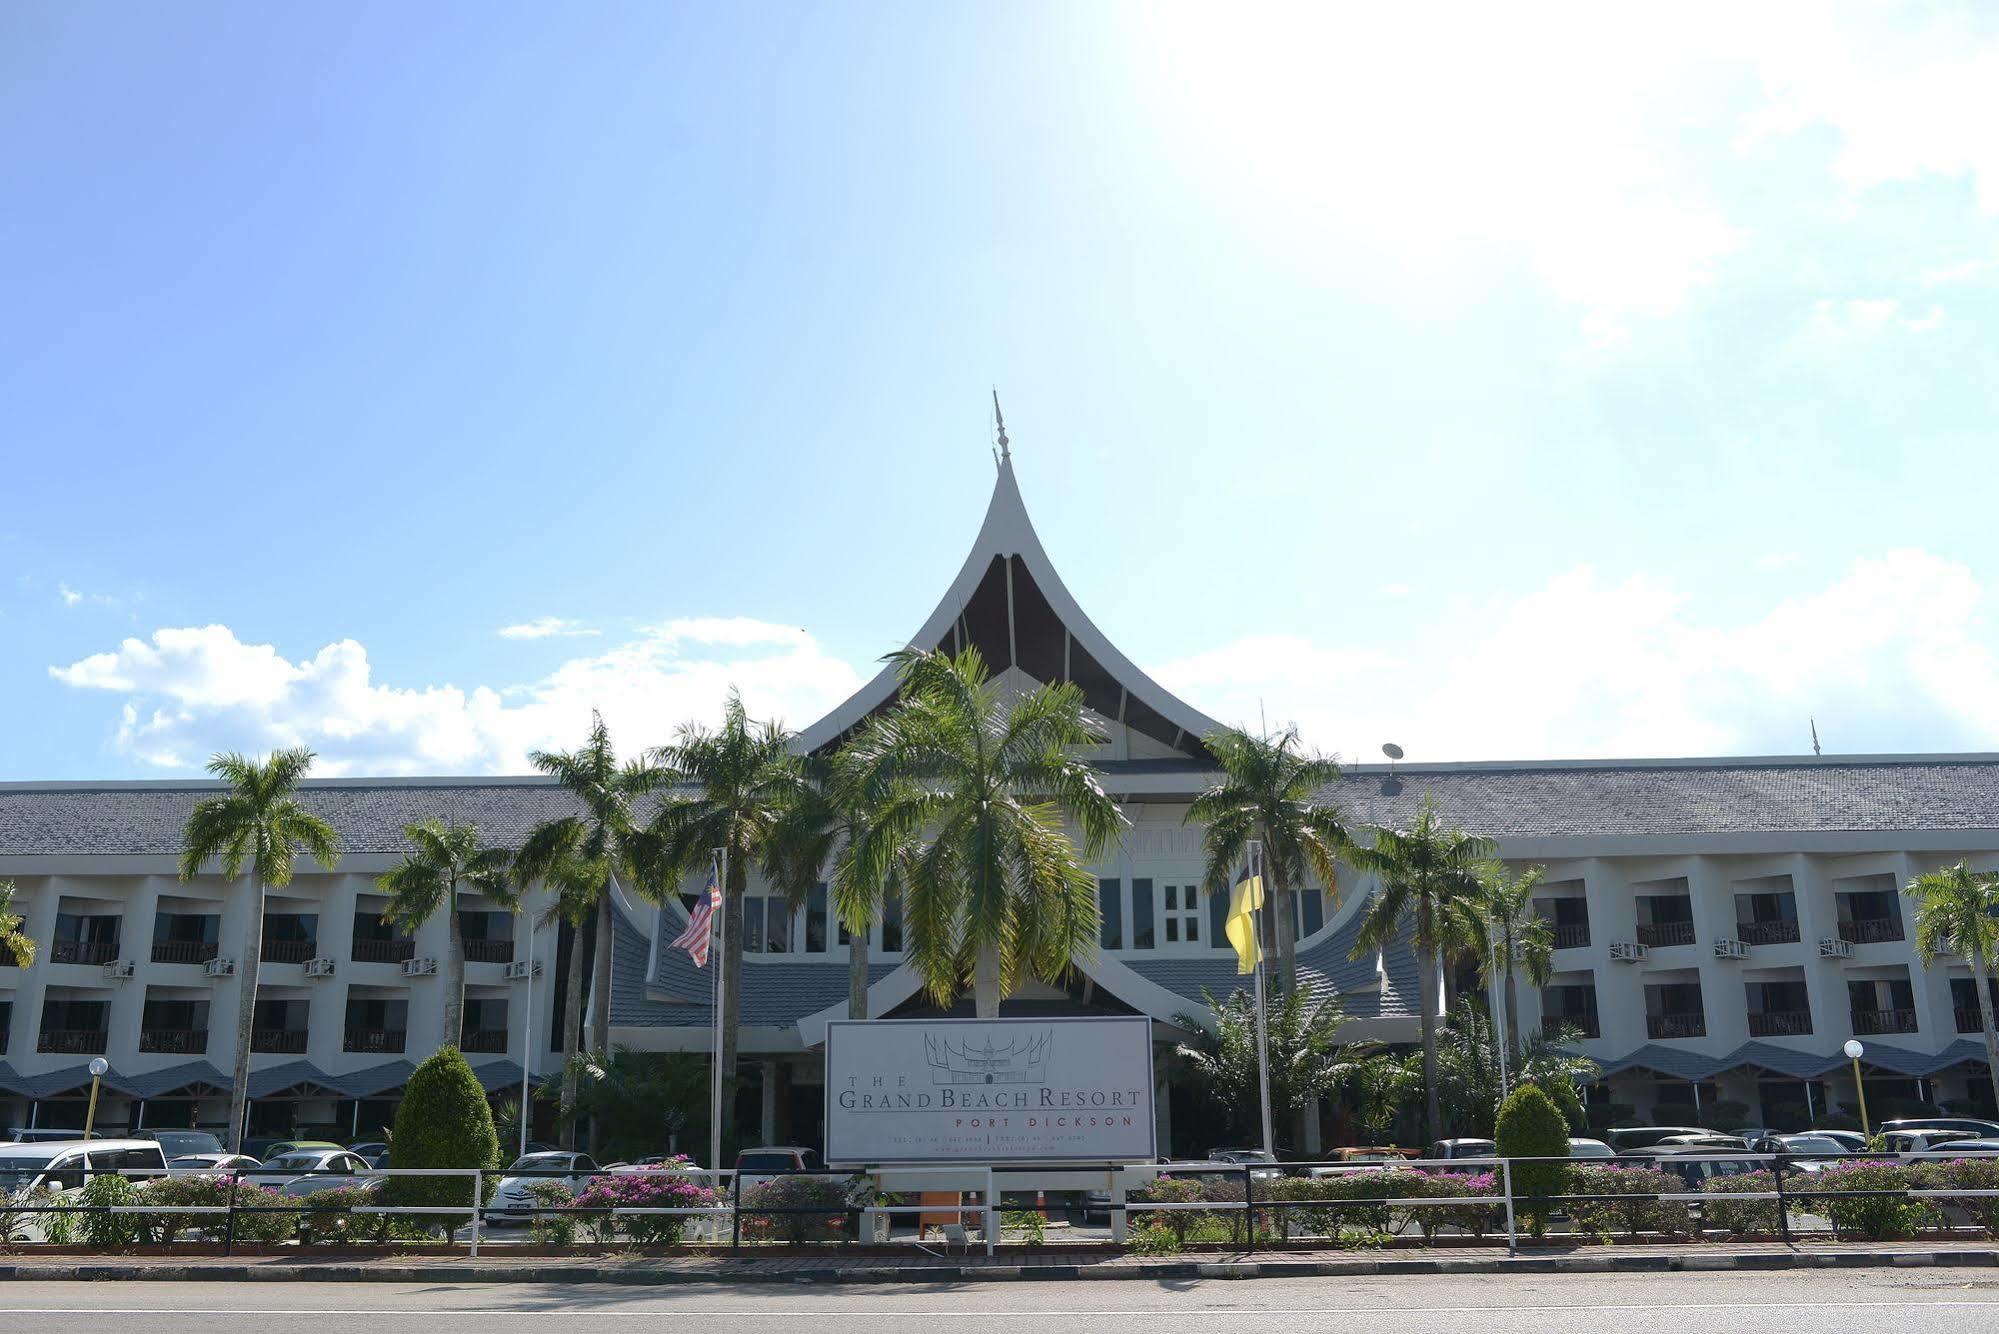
x=1832 y=947
x=1730 y=949
x=120 y=970
x=423 y=967
x=220 y=968
x=522 y=968
x=319 y=968
x=1628 y=951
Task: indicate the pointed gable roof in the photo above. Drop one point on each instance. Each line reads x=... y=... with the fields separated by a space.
x=1009 y=602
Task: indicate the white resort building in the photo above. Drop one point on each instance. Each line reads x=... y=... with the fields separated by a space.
x=1722 y=926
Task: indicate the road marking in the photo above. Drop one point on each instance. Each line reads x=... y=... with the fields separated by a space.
x=1150 y=1313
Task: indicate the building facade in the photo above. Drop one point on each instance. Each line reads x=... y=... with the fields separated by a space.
x=1722 y=926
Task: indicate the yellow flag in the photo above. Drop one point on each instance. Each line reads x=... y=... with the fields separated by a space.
x=1244 y=900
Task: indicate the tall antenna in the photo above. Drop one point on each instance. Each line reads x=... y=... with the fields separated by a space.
x=1815 y=736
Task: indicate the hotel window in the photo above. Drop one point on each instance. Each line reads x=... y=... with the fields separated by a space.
x=815 y=920
x=1141 y=914
x=1110 y=912
x=753 y=926
x=892 y=923
x=1218 y=916
x=1183 y=914
x=1311 y=911
x=777 y=935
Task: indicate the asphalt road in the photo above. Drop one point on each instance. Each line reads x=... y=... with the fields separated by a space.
x=1932 y=1302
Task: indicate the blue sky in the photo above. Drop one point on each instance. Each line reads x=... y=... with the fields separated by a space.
x=1560 y=383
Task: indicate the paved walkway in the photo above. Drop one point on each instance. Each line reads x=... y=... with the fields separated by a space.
x=917 y=1266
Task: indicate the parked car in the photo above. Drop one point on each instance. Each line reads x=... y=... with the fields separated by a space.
x=511 y=1200
x=266 y=1147
x=180 y=1143
x=1263 y=1166
x=1590 y=1148
x=327 y=1168
x=1923 y=1143
x=756 y=1166
x=1967 y=1147
x=1447 y=1149
x=1690 y=1163
x=1350 y=1160
x=39 y=1135
x=1626 y=1138
x=1983 y=1129
x=1714 y=1143
x=1852 y=1141
x=64 y=1165
x=369 y=1149
x=211 y=1164
x=1806 y=1143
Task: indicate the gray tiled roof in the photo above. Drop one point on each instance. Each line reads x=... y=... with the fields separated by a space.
x=774 y=994
x=1667 y=797
x=1680 y=1064
x=1583 y=799
x=1324 y=969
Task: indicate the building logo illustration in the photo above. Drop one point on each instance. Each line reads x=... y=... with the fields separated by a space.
x=1018 y=1062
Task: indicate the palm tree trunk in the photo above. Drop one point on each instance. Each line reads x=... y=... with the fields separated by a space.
x=1426 y=973
x=1514 y=1042
x=600 y=990
x=572 y=1037
x=1283 y=926
x=454 y=976
x=857 y=974
x=732 y=989
x=1979 y=972
x=986 y=981
x=246 y=1015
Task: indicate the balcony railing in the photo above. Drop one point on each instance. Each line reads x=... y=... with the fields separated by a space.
x=1884 y=1021
x=375 y=1041
x=489 y=951
x=1871 y=931
x=485 y=1041
x=1657 y=934
x=184 y=951
x=1767 y=933
x=1676 y=1025
x=174 y=1041
x=1968 y=1020
x=1574 y=936
x=83 y=951
x=392 y=950
x=73 y=1041
x=1586 y=1024
x=1780 y=1023
x=289 y=951
x=284 y=1040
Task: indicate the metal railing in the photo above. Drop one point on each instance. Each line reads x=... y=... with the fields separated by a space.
x=375 y=1041
x=1572 y=936
x=1871 y=930
x=390 y=950
x=173 y=1041
x=287 y=1041
x=289 y=951
x=184 y=951
x=1676 y=1025
x=1553 y=1024
x=484 y=1041
x=1767 y=933
x=73 y=1041
x=1660 y=934
x=1884 y=1021
x=1968 y=1020
x=83 y=951
x=489 y=951
x=1779 y=1023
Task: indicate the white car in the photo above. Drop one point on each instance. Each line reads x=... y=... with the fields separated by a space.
x=211 y=1164
x=307 y=1171
x=511 y=1201
x=61 y=1167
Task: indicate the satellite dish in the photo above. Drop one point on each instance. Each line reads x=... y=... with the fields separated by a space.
x=1391 y=750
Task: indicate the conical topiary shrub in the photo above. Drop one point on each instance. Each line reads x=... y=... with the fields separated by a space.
x=444 y=1121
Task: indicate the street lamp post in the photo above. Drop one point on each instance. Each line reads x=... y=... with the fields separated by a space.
x=98 y=1066
x=1854 y=1051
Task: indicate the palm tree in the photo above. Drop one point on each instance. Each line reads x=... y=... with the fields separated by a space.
x=1302 y=1038
x=742 y=780
x=826 y=834
x=443 y=857
x=983 y=778
x=1510 y=937
x=1270 y=792
x=589 y=848
x=259 y=823
x=1429 y=875
x=12 y=938
x=1957 y=912
x=577 y=888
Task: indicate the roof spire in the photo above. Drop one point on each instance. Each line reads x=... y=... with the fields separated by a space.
x=1005 y=451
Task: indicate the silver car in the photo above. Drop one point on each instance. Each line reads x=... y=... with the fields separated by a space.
x=512 y=1202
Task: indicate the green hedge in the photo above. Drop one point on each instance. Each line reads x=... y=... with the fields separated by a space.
x=1633 y=1216
x=1740 y=1217
x=444 y=1121
x=1530 y=1127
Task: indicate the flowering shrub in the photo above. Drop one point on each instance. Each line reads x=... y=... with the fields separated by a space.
x=1873 y=1217
x=213 y=1192
x=107 y=1231
x=822 y=1201
x=553 y=1223
x=661 y=1189
x=1740 y=1217
x=1476 y=1219
x=1965 y=1174
x=1631 y=1216
x=330 y=1216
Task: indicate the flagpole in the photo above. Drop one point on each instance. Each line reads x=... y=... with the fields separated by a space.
x=721 y=871
x=527 y=1042
x=1262 y=1035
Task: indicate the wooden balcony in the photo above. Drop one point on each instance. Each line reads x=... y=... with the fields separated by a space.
x=1574 y=936
x=1767 y=933
x=376 y=1041
x=289 y=951
x=1657 y=935
x=73 y=1041
x=184 y=951
x=174 y=1041
x=1780 y=1023
x=83 y=951
x=483 y=1041
x=1884 y=1021
x=1670 y=1026
x=1871 y=931
x=1969 y=1020
x=489 y=951
x=285 y=1041
x=391 y=950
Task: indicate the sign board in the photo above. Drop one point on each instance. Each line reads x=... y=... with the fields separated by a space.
x=989 y=1091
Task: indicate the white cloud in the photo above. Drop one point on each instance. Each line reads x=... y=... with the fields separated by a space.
x=1779 y=560
x=73 y=598
x=193 y=690
x=1902 y=646
x=1969 y=271
x=1834 y=323
x=546 y=627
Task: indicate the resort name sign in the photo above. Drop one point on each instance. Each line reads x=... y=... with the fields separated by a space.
x=989 y=1091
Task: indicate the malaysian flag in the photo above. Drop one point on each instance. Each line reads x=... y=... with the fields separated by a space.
x=695 y=938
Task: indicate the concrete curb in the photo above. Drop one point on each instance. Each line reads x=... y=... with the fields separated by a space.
x=1155 y=1271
